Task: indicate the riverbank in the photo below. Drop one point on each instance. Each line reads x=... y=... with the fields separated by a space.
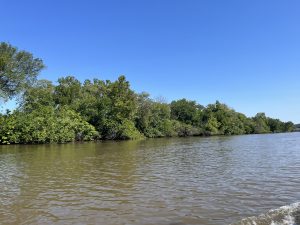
x=140 y=138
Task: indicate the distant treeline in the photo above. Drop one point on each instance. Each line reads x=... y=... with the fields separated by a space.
x=98 y=109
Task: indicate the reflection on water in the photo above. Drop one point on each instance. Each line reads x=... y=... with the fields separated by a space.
x=208 y=181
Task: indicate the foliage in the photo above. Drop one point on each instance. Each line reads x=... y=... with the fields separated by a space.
x=154 y=118
x=45 y=125
x=39 y=95
x=183 y=129
x=185 y=111
x=220 y=119
x=261 y=124
x=297 y=127
x=18 y=70
x=111 y=107
x=288 y=127
x=75 y=111
x=67 y=91
x=111 y=110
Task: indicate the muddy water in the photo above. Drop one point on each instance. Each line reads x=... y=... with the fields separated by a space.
x=207 y=181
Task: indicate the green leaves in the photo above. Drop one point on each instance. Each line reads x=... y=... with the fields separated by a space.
x=97 y=109
x=18 y=70
x=45 y=125
x=185 y=111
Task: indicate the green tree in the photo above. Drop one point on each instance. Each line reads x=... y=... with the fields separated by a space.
x=73 y=111
x=261 y=124
x=144 y=111
x=111 y=107
x=212 y=125
x=185 y=111
x=18 y=70
x=275 y=125
x=39 y=95
x=218 y=118
x=289 y=127
x=68 y=91
x=45 y=125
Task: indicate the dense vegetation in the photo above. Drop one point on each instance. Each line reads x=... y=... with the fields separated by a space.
x=97 y=109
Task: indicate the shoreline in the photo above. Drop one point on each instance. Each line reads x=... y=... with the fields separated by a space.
x=140 y=139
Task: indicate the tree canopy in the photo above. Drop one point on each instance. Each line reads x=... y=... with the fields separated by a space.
x=104 y=109
x=18 y=70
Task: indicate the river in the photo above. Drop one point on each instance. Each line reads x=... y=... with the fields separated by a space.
x=167 y=181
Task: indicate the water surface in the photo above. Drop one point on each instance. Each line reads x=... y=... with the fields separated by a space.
x=207 y=181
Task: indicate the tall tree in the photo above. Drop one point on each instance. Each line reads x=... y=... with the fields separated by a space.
x=18 y=70
x=261 y=123
x=185 y=111
x=41 y=94
x=67 y=91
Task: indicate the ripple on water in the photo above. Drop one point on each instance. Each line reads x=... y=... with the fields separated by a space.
x=285 y=215
x=207 y=181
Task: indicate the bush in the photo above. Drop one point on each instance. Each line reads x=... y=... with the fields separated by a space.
x=184 y=130
x=45 y=126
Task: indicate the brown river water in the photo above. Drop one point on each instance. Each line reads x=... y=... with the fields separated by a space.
x=168 y=181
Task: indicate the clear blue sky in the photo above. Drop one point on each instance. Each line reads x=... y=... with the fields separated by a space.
x=243 y=53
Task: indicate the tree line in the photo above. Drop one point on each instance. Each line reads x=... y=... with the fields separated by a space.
x=104 y=109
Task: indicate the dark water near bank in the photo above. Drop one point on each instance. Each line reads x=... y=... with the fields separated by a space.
x=207 y=181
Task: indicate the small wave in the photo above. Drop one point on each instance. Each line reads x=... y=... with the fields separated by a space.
x=285 y=215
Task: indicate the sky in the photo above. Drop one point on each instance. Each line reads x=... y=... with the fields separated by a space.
x=243 y=53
